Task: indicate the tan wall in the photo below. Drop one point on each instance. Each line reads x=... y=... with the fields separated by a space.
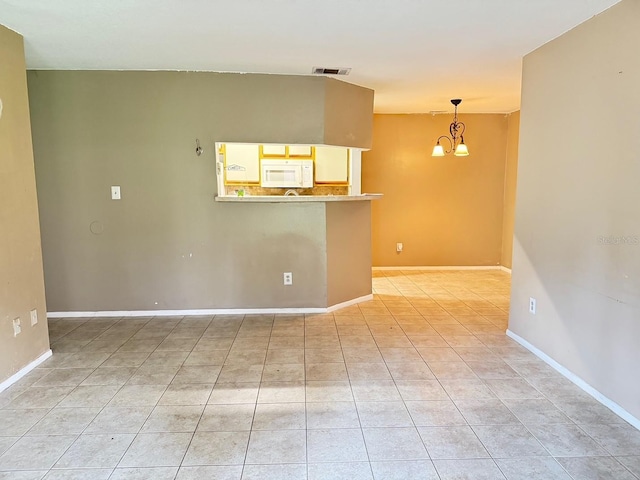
x=167 y=244
x=21 y=281
x=348 y=114
x=446 y=210
x=577 y=188
x=348 y=251
x=510 y=181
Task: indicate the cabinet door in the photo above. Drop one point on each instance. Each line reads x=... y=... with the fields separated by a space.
x=273 y=150
x=242 y=163
x=302 y=151
x=332 y=165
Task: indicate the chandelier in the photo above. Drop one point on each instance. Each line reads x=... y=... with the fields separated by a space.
x=456 y=129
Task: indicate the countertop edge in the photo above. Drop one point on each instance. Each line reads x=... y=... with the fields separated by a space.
x=299 y=199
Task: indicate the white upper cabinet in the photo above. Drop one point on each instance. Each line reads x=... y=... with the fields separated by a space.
x=242 y=163
x=332 y=165
x=272 y=150
x=300 y=151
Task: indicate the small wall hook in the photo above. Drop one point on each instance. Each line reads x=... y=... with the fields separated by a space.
x=199 y=149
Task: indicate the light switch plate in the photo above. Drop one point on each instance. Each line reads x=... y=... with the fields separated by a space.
x=16 y=327
x=115 y=192
x=34 y=317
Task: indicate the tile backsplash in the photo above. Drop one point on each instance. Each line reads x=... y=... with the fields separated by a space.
x=232 y=190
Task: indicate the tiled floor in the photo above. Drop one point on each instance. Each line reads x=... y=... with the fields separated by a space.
x=420 y=383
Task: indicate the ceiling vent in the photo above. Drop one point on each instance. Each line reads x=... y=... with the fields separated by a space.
x=330 y=71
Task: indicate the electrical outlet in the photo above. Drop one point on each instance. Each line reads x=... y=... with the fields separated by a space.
x=16 y=327
x=399 y=247
x=115 y=192
x=288 y=278
x=532 y=305
x=34 y=317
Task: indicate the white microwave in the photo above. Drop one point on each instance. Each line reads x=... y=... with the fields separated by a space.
x=286 y=173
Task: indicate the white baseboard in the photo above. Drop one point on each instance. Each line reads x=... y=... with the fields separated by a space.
x=348 y=303
x=207 y=311
x=505 y=269
x=607 y=402
x=173 y=313
x=432 y=268
x=23 y=371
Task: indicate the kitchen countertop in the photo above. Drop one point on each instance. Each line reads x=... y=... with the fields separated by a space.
x=300 y=198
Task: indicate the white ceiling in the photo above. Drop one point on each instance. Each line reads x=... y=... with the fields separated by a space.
x=416 y=54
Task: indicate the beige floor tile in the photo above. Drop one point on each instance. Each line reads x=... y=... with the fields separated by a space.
x=65 y=421
x=275 y=472
x=362 y=354
x=277 y=446
x=446 y=443
x=217 y=448
x=595 y=468
x=368 y=371
x=281 y=392
x=173 y=418
x=586 y=410
x=340 y=471
x=485 y=412
x=279 y=416
x=476 y=469
x=436 y=413
x=326 y=372
x=283 y=372
x=532 y=468
x=154 y=374
x=64 y=376
x=328 y=391
x=566 y=440
x=375 y=391
x=242 y=356
x=286 y=342
x=617 y=439
x=383 y=414
x=285 y=356
x=240 y=373
x=35 y=453
x=325 y=415
x=421 y=390
x=513 y=388
x=296 y=380
x=39 y=397
x=536 y=411
x=90 y=396
x=96 y=451
x=203 y=374
x=110 y=376
x=404 y=470
x=234 y=392
x=119 y=420
x=417 y=370
x=231 y=472
x=504 y=441
x=18 y=422
x=336 y=445
x=186 y=394
x=394 y=444
x=147 y=473
x=138 y=395
x=206 y=357
x=79 y=474
x=157 y=450
x=227 y=418
x=6 y=443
